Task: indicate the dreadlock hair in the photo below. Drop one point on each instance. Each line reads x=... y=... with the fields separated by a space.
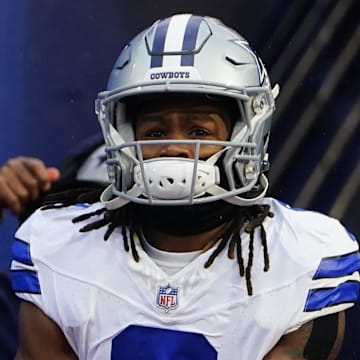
x=248 y=218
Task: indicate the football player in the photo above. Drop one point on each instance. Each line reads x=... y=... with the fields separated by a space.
x=197 y=263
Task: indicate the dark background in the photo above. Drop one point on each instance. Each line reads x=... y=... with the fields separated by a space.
x=55 y=56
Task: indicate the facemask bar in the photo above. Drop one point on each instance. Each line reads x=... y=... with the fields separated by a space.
x=212 y=193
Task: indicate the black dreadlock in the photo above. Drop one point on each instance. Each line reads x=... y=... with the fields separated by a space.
x=249 y=218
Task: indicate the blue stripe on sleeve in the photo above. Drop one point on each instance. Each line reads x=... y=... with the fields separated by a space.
x=21 y=252
x=338 y=266
x=25 y=281
x=159 y=43
x=321 y=298
x=189 y=42
x=352 y=236
x=82 y=205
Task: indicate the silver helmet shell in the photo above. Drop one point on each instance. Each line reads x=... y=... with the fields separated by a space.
x=189 y=54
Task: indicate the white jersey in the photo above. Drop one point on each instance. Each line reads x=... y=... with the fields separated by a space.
x=111 y=307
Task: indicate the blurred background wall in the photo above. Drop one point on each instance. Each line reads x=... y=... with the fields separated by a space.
x=55 y=56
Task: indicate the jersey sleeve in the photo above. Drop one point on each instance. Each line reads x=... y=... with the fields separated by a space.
x=332 y=253
x=40 y=253
x=24 y=272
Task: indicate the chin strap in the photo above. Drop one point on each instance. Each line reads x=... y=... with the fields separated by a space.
x=241 y=201
x=111 y=203
x=108 y=200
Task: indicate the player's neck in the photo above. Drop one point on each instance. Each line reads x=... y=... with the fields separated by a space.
x=183 y=243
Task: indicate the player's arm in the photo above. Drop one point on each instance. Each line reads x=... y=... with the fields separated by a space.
x=320 y=339
x=39 y=337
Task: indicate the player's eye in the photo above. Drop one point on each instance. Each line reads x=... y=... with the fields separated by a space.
x=155 y=133
x=199 y=132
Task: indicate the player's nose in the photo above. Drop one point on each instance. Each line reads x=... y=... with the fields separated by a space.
x=177 y=150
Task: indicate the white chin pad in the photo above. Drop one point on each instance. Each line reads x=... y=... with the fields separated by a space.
x=173 y=179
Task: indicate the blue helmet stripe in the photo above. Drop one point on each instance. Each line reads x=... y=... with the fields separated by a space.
x=25 y=281
x=21 y=252
x=159 y=43
x=338 y=266
x=321 y=298
x=189 y=42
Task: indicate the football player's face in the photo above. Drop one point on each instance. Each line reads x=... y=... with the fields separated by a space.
x=181 y=120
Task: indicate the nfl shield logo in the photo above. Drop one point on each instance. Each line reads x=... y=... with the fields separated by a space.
x=167 y=298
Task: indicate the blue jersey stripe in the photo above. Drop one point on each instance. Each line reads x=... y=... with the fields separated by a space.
x=21 y=252
x=338 y=266
x=159 y=43
x=25 y=281
x=352 y=236
x=82 y=205
x=321 y=298
x=189 y=42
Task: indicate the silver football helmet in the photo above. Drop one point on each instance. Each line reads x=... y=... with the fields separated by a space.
x=188 y=54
